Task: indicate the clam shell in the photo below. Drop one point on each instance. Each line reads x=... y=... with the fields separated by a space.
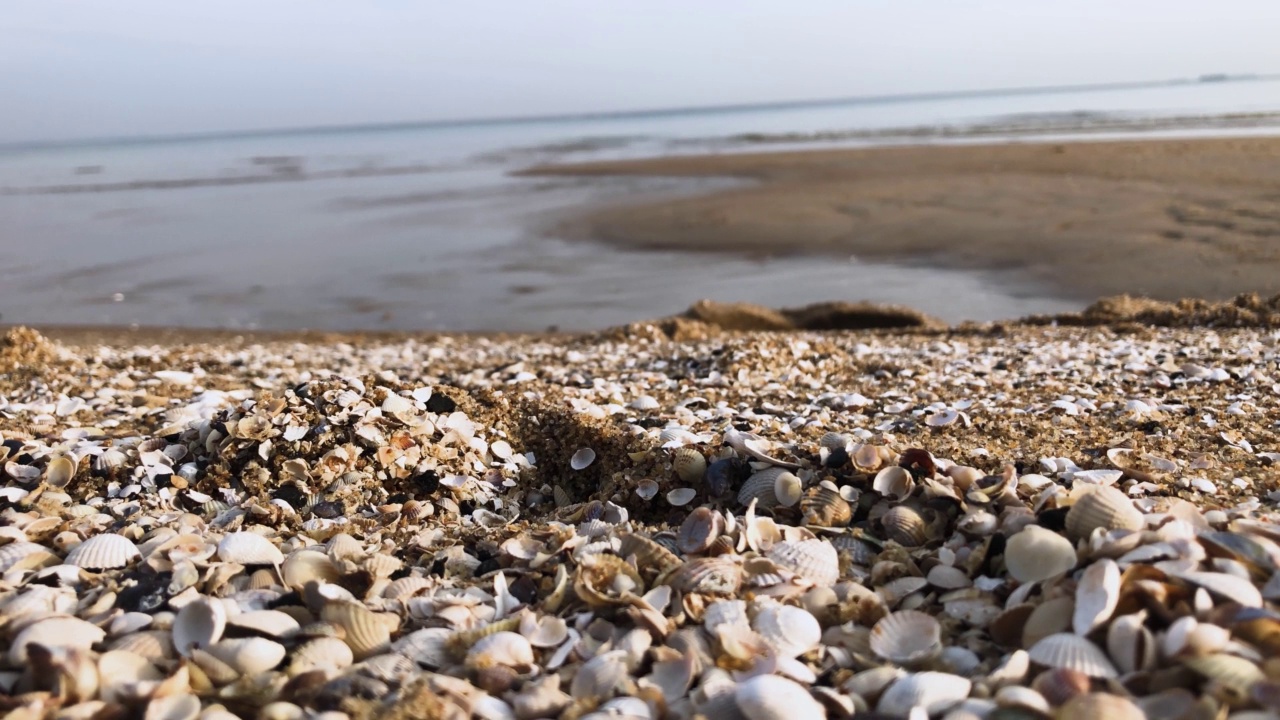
x=54 y=632
x=365 y=632
x=814 y=559
x=1130 y=644
x=680 y=497
x=904 y=526
x=248 y=656
x=788 y=489
x=303 y=566
x=770 y=697
x=1229 y=671
x=1224 y=585
x=647 y=489
x=823 y=506
x=267 y=623
x=181 y=706
x=932 y=691
x=323 y=653
x=60 y=471
x=790 y=631
x=689 y=464
x=1072 y=652
x=102 y=552
x=1097 y=594
x=505 y=648
x=247 y=548
x=1097 y=706
x=1102 y=507
x=582 y=459
x=893 y=482
x=699 y=530
x=1035 y=554
x=906 y=637
x=199 y=624
x=712 y=575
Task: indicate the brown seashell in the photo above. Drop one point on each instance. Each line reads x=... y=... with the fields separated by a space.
x=1102 y=507
x=365 y=632
x=723 y=545
x=689 y=464
x=815 y=559
x=906 y=637
x=823 y=506
x=760 y=487
x=905 y=526
x=1059 y=685
x=699 y=531
x=712 y=575
x=648 y=553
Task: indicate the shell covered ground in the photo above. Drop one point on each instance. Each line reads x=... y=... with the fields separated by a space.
x=1008 y=521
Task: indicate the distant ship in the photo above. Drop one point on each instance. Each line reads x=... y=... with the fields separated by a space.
x=1215 y=77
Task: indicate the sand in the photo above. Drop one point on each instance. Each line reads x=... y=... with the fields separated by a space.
x=1163 y=218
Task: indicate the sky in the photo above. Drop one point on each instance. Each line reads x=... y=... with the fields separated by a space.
x=74 y=69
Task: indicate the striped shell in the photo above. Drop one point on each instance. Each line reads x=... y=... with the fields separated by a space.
x=718 y=575
x=344 y=547
x=1072 y=652
x=790 y=631
x=905 y=526
x=699 y=531
x=102 y=552
x=365 y=632
x=302 y=566
x=1103 y=507
x=247 y=548
x=814 y=559
x=823 y=506
x=15 y=552
x=906 y=636
x=648 y=553
x=689 y=464
x=760 y=487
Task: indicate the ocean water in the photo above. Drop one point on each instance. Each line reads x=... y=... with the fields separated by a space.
x=424 y=227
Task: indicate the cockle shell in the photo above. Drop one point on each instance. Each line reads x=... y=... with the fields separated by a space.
x=54 y=632
x=1036 y=553
x=894 y=482
x=344 y=547
x=814 y=559
x=1102 y=507
x=1072 y=652
x=760 y=487
x=699 y=530
x=102 y=552
x=248 y=656
x=303 y=566
x=248 y=548
x=712 y=575
x=323 y=653
x=506 y=649
x=199 y=624
x=647 y=552
x=904 y=526
x=15 y=552
x=823 y=506
x=770 y=697
x=789 y=630
x=906 y=637
x=689 y=464
x=932 y=691
x=365 y=632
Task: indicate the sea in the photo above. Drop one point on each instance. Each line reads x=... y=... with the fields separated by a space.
x=424 y=226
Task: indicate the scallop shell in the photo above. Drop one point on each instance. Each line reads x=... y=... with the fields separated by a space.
x=894 y=482
x=823 y=506
x=381 y=565
x=365 y=632
x=814 y=559
x=1072 y=652
x=906 y=637
x=505 y=648
x=1097 y=594
x=789 y=630
x=1102 y=507
x=770 y=697
x=405 y=587
x=102 y=552
x=680 y=497
x=344 y=547
x=303 y=566
x=247 y=548
x=760 y=487
x=715 y=575
x=582 y=459
x=932 y=691
x=1036 y=553
x=57 y=631
x=788 y=489
x=699 y=530
x=154 y=645
x=904 y=526
x=1095 y=706
x=15 y=552
x=199 y=624
x=689 y=464
x=60 y=471
x=248 y=656
x=322 y=653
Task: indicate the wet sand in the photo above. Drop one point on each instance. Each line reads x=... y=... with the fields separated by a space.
x=1161 y=218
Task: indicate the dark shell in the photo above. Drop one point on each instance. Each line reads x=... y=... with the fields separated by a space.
x=726 y=474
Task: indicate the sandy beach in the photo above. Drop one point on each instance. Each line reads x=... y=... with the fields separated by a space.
x=1161 y=218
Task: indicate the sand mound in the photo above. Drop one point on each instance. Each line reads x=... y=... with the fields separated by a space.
x=1248 y=310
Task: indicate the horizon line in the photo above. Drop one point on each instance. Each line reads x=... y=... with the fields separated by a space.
x=640 y=113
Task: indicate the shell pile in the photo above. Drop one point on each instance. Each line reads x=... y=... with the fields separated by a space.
x=1030 y=522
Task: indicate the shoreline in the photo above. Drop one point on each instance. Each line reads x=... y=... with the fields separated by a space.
x=1075 y=217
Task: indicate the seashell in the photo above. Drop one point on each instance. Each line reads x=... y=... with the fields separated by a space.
x=1102 y=507
x=894 y=482
x=248 y=656
x=823 y=506
x=1072 y=652
x=1227 y=671
x=405 y=587
x=770 y=697
x=1049 y=617
x=647 y=489
x=505 y=648
x=1130 y=644
x=267 y=623
x=154 y=645
x=788 y=489
x=582 y=459
x=755 y=447
x=790 y=631
x=118 y=669
x=699 y=530
x=58 y=631
x=102 y=552
x=648 y=553
x=303 y=566
x=59 y=472
x=180 y=706
x=322 y=653
x=725 y=474
x=689 y=464
x=344 y=547
x=1025 y=698
x=1225 y=585
x=199 y=624
x=906 y=637
x=545 y=632
x=247 y=548
x=1036 y=554
x=904 y=526
x=365 y=632
x=932 y=691
x=814 y=559
x=1097 y=594
x=946 y=577
x=1059 y=685
x=710 y=575
x=381 y=565
x=760 y=487
x=15 y=552
x=1097 y=706
x=599 y=675
x=834 y=441
x=602 y=580
x=680 y=497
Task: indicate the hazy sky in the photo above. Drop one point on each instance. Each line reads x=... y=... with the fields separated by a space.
x=70 y=68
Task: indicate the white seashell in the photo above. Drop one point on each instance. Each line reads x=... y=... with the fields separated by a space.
x=322 y=653
x=946 y=577
x=1036 y=553
x=681 y=496
x=118 y=670
x=198 y=625
x=181 y=706
x=934 y=692
x=582 y=458
x=102 y=552
x=599 y=675
x=54 y=632
x=769 y=697
x=248 y=548
x=428 y=647
x=504 y=648
x=759 y=487
x=545 y=632
x=644 y=402
x=788 y=489
x=894 y=482
x=248 y=656
x=366 y=632
x=1225 y=585
x=647 y=489
x=14 y=552
x=59 y=472
x=1072 y=652
x=1097 y=595
x=814 y=559
x=1130 y=644
x=906 y=637
x=302 y=566
x=1102 y=507
x=790 y=631
x=268 y=623
x=689 y=464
